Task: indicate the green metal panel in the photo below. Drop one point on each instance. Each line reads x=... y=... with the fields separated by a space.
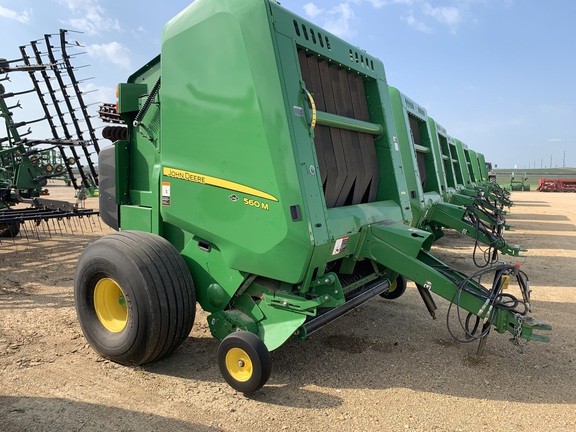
x=416 y=148
x=462 y=164
x=482 y=166
x=473 y=164
x=453 y=154
x=236 y=190
x=138 y=177
x=122 y=159
x=409 y=166
x=443 y=160
x=136 y=218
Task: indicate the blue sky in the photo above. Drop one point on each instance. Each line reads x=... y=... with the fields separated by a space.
x=499 y=74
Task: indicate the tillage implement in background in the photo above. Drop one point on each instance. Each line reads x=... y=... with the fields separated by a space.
x=28 y=162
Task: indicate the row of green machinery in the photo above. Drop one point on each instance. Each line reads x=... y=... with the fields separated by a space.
x=267 y=172
x=448 y=184
x=27 y=162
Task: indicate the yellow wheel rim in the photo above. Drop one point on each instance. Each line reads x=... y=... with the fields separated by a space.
x=393 y=286
x=239 y=365
x=110 y=305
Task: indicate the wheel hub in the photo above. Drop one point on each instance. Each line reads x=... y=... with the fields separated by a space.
x=110 y=305
x=239 y=364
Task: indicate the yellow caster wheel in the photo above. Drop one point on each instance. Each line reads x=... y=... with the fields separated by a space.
x=244 y=361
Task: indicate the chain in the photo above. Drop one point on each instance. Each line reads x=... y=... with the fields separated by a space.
x=517 y=332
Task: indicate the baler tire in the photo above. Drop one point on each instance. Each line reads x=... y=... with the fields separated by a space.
x=134 y=297
x=396 y=290
x=244 y=361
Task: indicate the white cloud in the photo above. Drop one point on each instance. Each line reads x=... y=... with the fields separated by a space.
x=416 y=24
x=23 y=17
x=380 y=3
x=94 y=94
x=419 y=12
x=89 y=17
x=450 y=15
x=339 y=21
x=312 y=10
x=113 y=52
x=422 y=15
x=336 y=20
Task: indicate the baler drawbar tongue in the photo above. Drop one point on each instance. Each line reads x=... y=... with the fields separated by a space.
x=402 y=249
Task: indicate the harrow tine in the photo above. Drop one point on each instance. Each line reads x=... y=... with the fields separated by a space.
x=54 y=227
x=36 y=230
x=75 y=224
x=70 y=230
x=12 y=94
x=92 y=222
x=33 y=228
x=25 y=230
x=17 y=105
x=60 y=227
x=24 y=123
x=46 y=228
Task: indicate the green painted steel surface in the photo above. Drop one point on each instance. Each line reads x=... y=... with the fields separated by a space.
x=418 y=155
x=474 y=166
x=482 y=167
x=456 y=164
x=444 y=165
x=228 y=184
x=463 y=164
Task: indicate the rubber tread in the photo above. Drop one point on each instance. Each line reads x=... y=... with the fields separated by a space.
x=163 y=308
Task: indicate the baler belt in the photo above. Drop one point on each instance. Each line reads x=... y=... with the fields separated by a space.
x=347 y=159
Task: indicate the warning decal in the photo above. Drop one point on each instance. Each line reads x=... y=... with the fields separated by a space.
x=165 y=193
x=340 y=245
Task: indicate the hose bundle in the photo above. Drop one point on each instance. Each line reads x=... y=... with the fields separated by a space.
x=494 y=299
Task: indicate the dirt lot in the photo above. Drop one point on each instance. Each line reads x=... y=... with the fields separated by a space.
x=385 y=366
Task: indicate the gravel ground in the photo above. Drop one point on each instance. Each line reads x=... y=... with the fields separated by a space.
x=385 y=366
